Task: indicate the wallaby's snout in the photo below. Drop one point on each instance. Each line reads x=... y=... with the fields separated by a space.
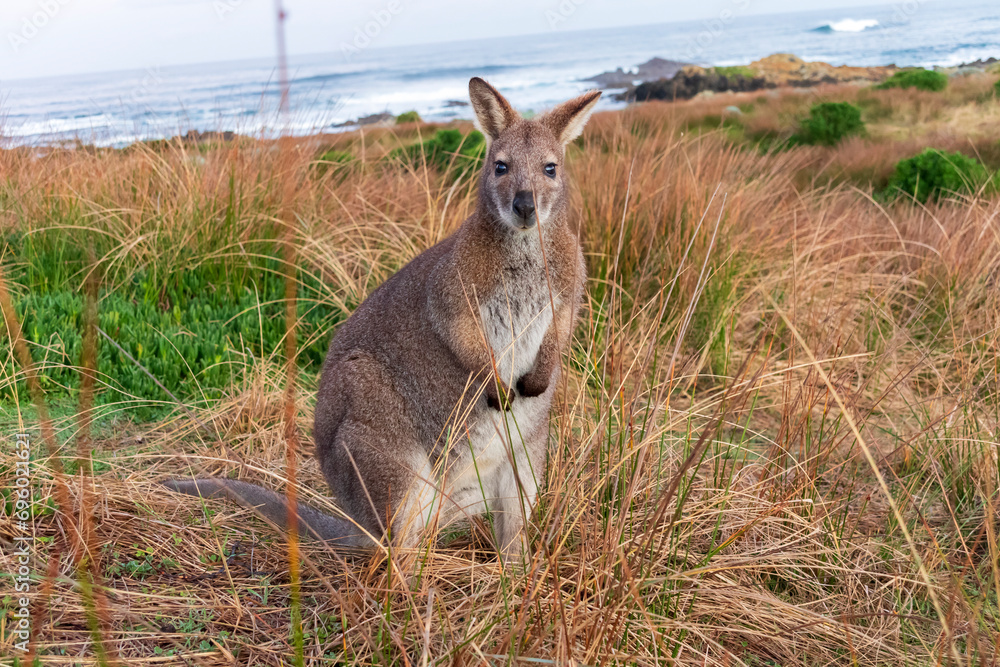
x=524 y=209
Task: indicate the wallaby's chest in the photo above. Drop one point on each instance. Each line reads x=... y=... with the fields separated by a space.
x=515 y=317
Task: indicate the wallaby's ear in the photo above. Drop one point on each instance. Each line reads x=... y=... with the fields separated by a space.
x=494 y=114
x=567 y=120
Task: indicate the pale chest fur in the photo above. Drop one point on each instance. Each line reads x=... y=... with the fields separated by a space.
x=516 y=317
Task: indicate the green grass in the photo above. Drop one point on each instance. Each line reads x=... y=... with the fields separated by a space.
x=448 y=150
x=736 y=71
x=921 y=79
x=195 y=335
x=334 y=160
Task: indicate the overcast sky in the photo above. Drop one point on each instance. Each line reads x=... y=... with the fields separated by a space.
x=51 y=37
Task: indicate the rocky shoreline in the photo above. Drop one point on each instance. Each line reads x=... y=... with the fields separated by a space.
x=651 y=70
x=660 y=79
x=657 y=79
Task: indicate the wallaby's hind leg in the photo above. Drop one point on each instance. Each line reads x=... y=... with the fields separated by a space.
x=378 y=480
x=421 y=508
x=515 y=491
x=394 y=487
x=371 y=456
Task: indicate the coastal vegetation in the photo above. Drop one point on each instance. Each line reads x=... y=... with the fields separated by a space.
x=735 y=71
x=666 y=80
x=829 y=123
x=407 y=117
x=935 y=173
x=691 y=81
x=921 y=79
x=195 y=333
x=774 y=442
x=449 y=150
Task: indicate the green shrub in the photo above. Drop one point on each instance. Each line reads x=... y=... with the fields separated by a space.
x=830 y=122
x=332 y=159
x=333 y=155
x=408 y=117
x=996 y=88
x=736 y=71
x=448 y=150
x=934 y=173
x=921 y=79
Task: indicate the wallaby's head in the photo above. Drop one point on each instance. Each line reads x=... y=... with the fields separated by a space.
x=523 y=177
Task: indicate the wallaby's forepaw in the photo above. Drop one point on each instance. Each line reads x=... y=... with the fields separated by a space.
x=530 y=386
x=499 y=396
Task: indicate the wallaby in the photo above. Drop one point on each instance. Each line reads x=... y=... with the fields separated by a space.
x=434 y=400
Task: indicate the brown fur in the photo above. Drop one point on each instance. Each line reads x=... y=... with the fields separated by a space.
x=434 y=400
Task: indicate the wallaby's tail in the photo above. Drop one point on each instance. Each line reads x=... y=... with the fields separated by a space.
x=340 y=533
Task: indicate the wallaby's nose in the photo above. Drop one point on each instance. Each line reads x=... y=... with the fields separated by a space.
x=524 y=206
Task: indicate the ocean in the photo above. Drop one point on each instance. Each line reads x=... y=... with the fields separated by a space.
x=534 y=71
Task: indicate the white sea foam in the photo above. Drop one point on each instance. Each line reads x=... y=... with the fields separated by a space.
x=53 y=126
x=849 y=25
x=959 y=56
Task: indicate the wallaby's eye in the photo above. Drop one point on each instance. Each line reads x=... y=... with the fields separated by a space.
x=550 y=170
x=500 y=168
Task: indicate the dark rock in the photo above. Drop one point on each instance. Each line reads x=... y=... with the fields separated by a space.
x=196 y=137
x=377 y=118
x=691 y=81
x=651 y=70
x=383 y=118
x=981 y=64
x=660 y=68
x=616 y=79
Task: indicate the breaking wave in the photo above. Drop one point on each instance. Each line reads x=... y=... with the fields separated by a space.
x=848 y=25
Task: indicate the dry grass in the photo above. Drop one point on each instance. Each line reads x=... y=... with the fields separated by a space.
x=775 y=443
